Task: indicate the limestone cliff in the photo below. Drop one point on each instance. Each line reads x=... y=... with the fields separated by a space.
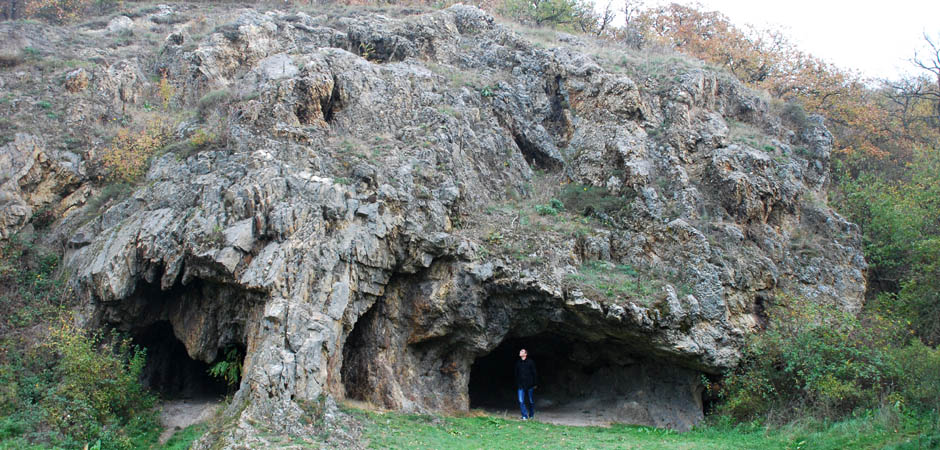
x=366 y=228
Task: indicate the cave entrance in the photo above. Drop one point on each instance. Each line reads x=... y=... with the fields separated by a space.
x=171 y=372
x=357 y=359
x=588 y=383
x=492 y=377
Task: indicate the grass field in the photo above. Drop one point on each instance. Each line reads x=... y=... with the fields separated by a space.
x=881 y=429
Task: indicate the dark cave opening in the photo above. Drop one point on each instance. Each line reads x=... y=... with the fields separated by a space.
x=589 y=382
x=329 y=106
x=562 y=366
x=357 y=361
x=534 y=155
x=171 y=372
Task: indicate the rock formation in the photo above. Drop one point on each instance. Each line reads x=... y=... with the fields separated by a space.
x=347 y=233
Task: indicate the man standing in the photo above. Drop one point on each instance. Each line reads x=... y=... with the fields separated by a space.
x=526 y=381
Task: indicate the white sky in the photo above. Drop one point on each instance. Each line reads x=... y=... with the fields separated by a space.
x=876 y=37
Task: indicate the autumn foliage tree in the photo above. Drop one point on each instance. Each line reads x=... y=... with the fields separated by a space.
x=751 y=55
x=887 y=138
x=874 y=123
x=57 y=11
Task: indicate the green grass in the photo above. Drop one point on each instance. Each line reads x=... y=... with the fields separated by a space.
x=614 y=281
x=184 y=438
x=876 y=430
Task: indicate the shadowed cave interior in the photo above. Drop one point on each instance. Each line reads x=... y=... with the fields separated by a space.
x=355 y=369
x=581 y=381
x=169 y=369
x=566 y=370
x=589 y=383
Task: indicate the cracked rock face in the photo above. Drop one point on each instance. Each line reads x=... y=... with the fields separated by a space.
x=335 y=236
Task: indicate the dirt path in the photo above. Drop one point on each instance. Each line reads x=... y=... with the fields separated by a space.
x=178 y=414
x=563 y=415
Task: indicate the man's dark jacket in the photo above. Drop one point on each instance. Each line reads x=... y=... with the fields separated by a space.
x=526 y=376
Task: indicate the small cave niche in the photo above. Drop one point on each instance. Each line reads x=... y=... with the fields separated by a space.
x=535 y=156
x=357 y=357
x=330 y=105
x=170 y=371
x=314 y=105
x=378 y=50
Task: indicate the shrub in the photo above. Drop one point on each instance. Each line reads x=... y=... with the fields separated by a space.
x=546 y=210
x=917 y=367
x=794 y=113
x=201 y=139
x=902 y=241
x=94 y=389
x=30 y=289
x=563 y=13
x=74 y=391
x=589 y=200
x=212 y=100
x=166 y=91
x=128 y=157
x=819 y=361
x=57 y=11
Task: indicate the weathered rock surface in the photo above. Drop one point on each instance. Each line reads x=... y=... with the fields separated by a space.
x=33 y=177
x=337 y=234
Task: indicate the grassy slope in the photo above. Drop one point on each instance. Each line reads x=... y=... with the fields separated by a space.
x=393 y=430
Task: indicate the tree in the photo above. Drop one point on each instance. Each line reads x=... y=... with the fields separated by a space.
x=547 y=12
x=604 y=20
x=931 y=64
x=11 y=9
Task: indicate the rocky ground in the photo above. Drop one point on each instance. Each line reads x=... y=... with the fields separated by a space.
x=376 y=205
x=176 y=415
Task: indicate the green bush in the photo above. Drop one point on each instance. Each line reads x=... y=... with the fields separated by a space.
x=816 y=360
x=546 y=210
x=918 y=376
x=75 y=389
x=560 y=13
x=211 y=101
x=58 y=385
x=900 y=223
x=30 y=287
x=590 y=200
x=94 y=388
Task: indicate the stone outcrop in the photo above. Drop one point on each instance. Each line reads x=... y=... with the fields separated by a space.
x=337 y=235
x=33 y=177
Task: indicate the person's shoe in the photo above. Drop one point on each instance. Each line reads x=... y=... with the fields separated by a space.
x=525 y=418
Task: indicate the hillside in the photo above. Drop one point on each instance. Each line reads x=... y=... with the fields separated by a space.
x=383 y=206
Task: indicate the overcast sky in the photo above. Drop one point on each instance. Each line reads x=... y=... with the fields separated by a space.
x=876 y=37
